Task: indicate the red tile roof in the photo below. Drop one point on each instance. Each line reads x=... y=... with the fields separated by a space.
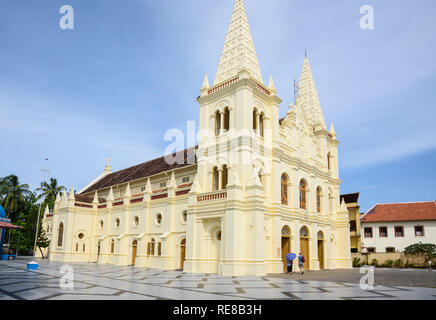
x=7 y=225
x=142 y=170
x=411 y=211
x=85 y=199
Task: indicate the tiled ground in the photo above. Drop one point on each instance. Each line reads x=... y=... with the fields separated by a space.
x=93 y=281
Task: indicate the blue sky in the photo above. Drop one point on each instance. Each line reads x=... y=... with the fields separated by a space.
x=132 y=69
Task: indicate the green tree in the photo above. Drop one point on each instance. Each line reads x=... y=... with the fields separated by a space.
x=13 y=199
x=42 y=241
x=48 y=192
x=428 y=249
x=27 y=219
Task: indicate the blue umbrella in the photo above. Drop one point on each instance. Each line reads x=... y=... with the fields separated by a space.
x=291 y=256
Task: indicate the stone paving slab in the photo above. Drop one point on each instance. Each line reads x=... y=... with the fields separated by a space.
x=108 y=282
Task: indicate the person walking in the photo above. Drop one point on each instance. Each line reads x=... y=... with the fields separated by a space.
x=290 y=261
x=301 y=261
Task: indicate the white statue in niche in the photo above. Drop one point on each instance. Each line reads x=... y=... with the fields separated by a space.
x=256 y=175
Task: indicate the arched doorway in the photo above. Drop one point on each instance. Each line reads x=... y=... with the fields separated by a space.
x=304 y=245
x=286 y=245
x=134 y=249
x=321 y=250
x=182 y=252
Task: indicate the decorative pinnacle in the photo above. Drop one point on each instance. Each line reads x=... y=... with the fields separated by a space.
x=271 y=85
x=205 y=82
x=332 y=131
x=95 y=198
x=107 y=168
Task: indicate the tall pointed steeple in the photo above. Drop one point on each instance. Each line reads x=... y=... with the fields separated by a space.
x=238 y=52
x=308 y=96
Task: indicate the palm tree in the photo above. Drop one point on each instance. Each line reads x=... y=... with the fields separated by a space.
x=13 y=195
x=48 y=191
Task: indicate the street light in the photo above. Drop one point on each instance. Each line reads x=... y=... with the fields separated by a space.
x=33 y=265
x=365 y=252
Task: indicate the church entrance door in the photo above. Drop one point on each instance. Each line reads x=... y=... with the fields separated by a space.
x=286 y=245
x=321 y=250
x=134 y=249
x=304 y=246
x=182 y=253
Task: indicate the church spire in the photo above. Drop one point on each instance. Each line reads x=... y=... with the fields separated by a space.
x=238 y=53
x=308 y=97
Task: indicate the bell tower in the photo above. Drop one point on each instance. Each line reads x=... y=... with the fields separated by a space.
x=239 y=127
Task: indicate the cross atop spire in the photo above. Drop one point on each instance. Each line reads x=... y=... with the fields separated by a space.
x=238 y=52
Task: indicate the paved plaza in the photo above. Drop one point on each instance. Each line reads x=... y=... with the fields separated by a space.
x=109 y=282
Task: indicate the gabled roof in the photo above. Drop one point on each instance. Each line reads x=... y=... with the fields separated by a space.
x=410 y=211
x=142 y=170
x=350 y=197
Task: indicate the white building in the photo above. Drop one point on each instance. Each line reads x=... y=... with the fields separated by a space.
x=393 y=227
x=256 y=188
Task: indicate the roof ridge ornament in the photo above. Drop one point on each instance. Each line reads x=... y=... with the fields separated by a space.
x=107 y=168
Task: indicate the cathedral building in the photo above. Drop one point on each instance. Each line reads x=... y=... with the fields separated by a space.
x=254 y=189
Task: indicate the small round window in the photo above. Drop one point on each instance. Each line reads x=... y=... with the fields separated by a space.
x=136 y=221
x=158 y=218
x=117 y=222
x=81 y=236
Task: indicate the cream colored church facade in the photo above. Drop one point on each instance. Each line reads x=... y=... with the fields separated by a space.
x=254 y=189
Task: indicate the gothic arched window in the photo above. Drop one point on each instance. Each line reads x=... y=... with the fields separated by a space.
x=261 y=125
x=225 y=177
x=303 y=191
x=152 y=246
x=215 y=178
x=60 y=234
x=112 y=246
x=284 y=189
x=328 y=160
x=226 y=119
x=255 y=120
x=217 y=123
x=331 y=202
x=318 y=199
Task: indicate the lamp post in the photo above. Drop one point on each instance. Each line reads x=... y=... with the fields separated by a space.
x=33 y=265
x=365 y=252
